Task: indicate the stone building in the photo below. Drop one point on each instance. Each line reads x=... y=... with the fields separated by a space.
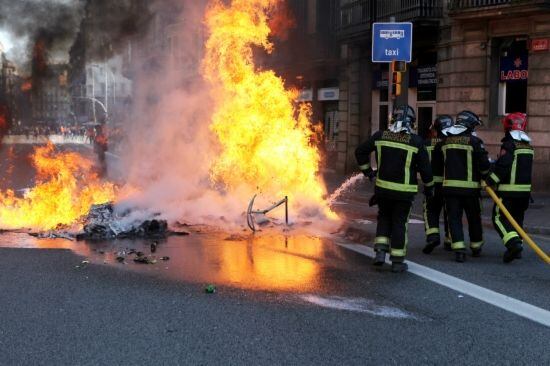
x=494 y=59
x=363 y=105
x=489 y=56
x=51 y=101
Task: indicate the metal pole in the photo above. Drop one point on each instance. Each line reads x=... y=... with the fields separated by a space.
x=106 y=89
x=286 y=210
x=93 y=93
x=390 y=85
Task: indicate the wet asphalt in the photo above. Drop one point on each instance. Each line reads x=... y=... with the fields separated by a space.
x=281 y=299
x=57 y=310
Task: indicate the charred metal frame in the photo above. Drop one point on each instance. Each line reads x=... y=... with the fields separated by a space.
x=250 y=212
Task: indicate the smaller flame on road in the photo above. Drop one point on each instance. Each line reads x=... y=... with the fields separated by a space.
x=66 y=187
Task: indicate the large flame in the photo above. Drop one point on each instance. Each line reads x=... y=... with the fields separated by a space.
x=65 y=189
x=265 y=137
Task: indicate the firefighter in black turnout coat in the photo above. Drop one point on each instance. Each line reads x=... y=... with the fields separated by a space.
x=463 y=159
x=400 y=155
x=434 y=205
x=512 y=179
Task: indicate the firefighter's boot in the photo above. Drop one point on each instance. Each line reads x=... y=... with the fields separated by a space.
x=476 y=252
x=512 y=251
x=380 y=258
x=432 y=242
x=460 y=256
x=447 y=244
x=398 y=267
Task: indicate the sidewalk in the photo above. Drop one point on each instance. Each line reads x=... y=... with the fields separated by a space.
x=354 y=206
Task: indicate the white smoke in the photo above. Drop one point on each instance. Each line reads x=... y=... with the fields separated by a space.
x=167 y=154
x=169 y=148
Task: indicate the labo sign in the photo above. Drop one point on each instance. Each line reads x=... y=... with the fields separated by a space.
x=514 y=68
x=392 y=42
x=514 y=75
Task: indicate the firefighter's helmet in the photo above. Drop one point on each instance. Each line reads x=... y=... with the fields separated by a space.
x=468 y=119
x=515 y=122
x=403 y=119
x=442 y=123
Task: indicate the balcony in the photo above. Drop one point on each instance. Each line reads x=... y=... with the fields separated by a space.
x=409 y=10
x=354 y=17
x=482 y=8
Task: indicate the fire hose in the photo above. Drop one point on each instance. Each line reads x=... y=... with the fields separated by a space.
x=516 y=226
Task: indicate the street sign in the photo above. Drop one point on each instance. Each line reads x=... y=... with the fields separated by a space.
x=392 y=42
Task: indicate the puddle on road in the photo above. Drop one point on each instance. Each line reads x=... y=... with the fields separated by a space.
x=263 y=262
x=360 y=305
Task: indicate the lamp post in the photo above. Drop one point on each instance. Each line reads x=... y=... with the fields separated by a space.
x=106 y=71
x=94 y=100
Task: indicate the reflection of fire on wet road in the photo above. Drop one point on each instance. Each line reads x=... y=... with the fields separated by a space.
x=271 y=262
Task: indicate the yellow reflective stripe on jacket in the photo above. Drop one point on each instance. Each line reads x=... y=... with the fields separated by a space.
x=438 y=179
x=411 y=188
x=469 y=183
x=514 y=188
x=364 y=167
x=396 y=145
x=458 y=147
x=515 y=163
x=460 y=184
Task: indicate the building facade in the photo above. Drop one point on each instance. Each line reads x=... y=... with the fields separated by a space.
x=98 y=87
x=51 y=102
x=494 y=59
x=488 y=56
x=363 y=105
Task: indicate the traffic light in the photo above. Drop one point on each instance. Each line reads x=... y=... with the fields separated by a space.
x=397 y=79
x=397 y=68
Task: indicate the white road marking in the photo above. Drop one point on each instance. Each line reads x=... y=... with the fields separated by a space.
x=504 y=302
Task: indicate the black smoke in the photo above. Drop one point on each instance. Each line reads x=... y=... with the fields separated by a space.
x=50 y=23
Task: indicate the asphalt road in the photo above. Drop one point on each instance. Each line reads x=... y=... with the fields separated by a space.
x=302 y=300
x=281 y=299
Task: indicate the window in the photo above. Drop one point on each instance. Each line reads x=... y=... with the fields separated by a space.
x=513 y=76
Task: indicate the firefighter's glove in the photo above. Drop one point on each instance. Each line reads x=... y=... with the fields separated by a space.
x=429 y=191
x=369 y=173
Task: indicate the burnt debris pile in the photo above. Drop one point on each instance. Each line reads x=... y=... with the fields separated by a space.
x=103 y=222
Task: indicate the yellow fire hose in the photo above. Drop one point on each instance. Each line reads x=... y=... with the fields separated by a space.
x=518 y=228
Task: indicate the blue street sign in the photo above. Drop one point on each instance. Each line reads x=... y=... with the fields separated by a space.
x=392 y=41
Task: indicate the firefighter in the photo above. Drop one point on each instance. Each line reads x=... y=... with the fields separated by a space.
x=512 y=179
x=434 y=205
x=464 y=161
x=400 y=155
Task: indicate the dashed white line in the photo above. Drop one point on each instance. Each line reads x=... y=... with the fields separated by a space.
x=504 y=302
